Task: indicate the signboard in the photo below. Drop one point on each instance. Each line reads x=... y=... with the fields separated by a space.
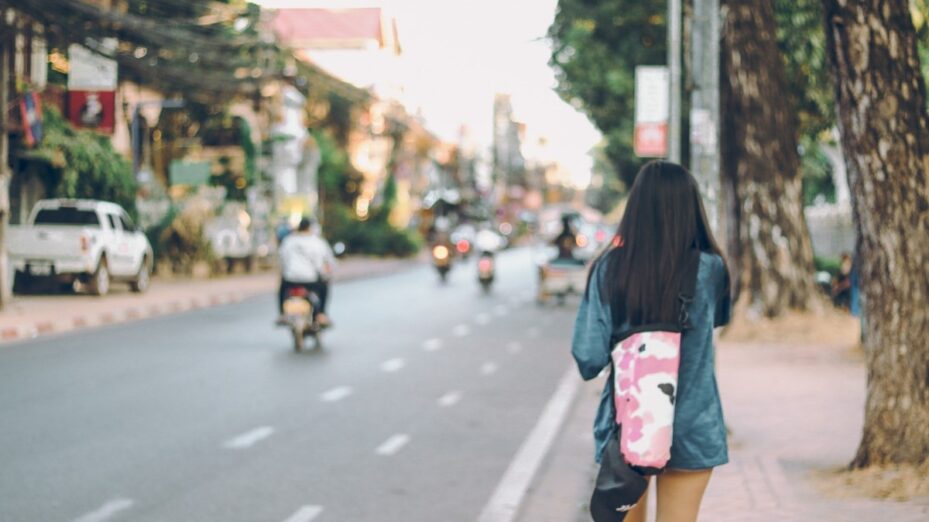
x=90 y=71
x=652 y=100
x=189 y=172
x=94 y=110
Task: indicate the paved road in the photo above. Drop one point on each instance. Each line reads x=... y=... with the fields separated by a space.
x=412 y=412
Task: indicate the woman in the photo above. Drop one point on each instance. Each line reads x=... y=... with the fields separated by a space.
x=636 y=283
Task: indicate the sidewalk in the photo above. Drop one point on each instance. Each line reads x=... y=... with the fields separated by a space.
x=792 y=410
x=33 y=315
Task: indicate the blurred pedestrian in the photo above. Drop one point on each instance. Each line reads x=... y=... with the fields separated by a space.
x=636 y=283
x=842 y=283
x=307 y=260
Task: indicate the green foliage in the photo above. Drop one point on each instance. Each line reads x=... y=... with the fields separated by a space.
x=390 y=194
x=374 y=236
x=827 y=264
x=605 y=194
x=248 y=147
x=82 y=163
x=595 y=49
x=338 y=180
x=817 y=173
x=180 y=240
x=802 y=42
x=340 y=184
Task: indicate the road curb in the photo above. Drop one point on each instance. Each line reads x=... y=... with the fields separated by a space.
x=26 y=331
x=32 y=330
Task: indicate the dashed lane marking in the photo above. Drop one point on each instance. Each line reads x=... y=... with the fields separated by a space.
x=533 y=331
x=305 y=514
x=461 y=330
x=392 y=365
x=449 y=399
x=249 y=438
x=336 y=394
x=393 y=445
x=431 y=345
x=489 y=368
x=106 y=511
x=482 y=319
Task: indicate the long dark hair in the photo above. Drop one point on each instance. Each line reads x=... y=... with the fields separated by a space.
x=663 y=222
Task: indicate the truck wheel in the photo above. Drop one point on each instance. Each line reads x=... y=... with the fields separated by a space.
x=99 y=283
x=144 y=278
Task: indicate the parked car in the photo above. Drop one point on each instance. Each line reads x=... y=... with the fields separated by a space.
x=68 y=240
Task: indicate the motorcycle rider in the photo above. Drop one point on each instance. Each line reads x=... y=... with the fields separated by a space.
x=566 y=241
x=307 y=260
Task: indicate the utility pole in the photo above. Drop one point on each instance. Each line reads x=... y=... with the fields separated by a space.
x=6 y=61
x=674 y=66
x=704 y=112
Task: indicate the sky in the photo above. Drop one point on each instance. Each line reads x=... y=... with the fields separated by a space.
x=460 y=53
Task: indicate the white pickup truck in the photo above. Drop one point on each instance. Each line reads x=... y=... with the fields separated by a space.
x=91 y=241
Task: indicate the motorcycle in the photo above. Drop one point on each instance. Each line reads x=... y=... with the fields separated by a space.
x=299 y=317
x=485 y=270
x=442 y=260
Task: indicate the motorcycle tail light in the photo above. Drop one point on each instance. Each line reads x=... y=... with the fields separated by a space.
x=297 y=292
x=463 y=246
x=600 y=236
x=485 y=265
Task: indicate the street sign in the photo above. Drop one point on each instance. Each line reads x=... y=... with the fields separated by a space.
x=92 y=110
x=652 y=84
x=189 y=172
x=90 y=71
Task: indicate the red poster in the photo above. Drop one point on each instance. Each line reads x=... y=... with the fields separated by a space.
x=651 y=140
x=92 y=110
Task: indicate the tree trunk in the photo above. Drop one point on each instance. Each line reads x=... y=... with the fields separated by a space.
x=773 y=258
x=881 y=101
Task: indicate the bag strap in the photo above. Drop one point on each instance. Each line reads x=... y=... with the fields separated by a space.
x=688 y=288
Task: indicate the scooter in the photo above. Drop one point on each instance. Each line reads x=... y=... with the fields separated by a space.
x=442 y=260
x=299 y=306
x=486 y=266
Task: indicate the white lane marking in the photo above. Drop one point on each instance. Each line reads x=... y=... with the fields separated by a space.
x=507 y=497
x=336 y=394
x=106 y=511
x=392 y=365
x=449 y=399
x=392 y=445
x=461 y=330
x=482 y=319
x=305 y=514
x=501 y=310
x=249 y=438
x=533 y=331
x=489 y=368
x=431 y=345
x=514 y=347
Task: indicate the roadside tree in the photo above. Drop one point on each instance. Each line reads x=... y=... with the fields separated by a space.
x=769 y=245
x=595 y=49
x=881 y=104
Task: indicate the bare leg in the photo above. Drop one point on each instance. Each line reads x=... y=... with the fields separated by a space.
x=680 y=493
x=637 y=514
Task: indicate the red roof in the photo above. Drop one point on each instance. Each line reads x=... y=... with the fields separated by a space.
x=302 y=26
